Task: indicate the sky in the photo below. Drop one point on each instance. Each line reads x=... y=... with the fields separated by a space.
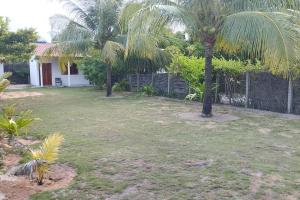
x=31 y=13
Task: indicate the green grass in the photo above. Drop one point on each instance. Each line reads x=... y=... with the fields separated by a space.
x=137 y=148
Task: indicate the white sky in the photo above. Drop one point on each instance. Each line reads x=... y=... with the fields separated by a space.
x=30 y=13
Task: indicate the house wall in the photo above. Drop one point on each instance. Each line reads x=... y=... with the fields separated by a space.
x=75 y=80
x=1 y=69
x=34 y=72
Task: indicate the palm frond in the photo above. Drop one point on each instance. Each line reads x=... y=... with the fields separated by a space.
x=273 y=37
x=49 y=149
x=111 y=52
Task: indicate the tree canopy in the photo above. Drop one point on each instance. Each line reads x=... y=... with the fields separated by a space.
x=16 y=46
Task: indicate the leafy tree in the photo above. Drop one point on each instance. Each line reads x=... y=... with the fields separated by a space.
x=15 y=46
x=267 y=30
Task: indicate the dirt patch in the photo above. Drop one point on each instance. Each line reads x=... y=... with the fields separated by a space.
x=21 y=188
x=11 y=160
x=16 y=95
x=193 y=116
x=256 y=182
x=264 y=130
x=26 y=142
x=125 y=194
x=198 y=163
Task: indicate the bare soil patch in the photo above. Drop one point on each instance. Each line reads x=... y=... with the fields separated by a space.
x=21 y=188
x=20 y=94
x=195 y=116
x=11 y=160
x=27 y=142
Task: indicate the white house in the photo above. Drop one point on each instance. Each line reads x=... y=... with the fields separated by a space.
x=45 y=71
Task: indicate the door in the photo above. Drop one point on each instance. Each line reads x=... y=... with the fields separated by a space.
x=47 y=74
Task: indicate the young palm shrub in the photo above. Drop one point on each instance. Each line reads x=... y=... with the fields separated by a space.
x=43 y=157
x=4 y=82
x=13 y=124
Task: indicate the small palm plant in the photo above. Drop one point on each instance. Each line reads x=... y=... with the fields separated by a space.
x=41 y=158
x=4 y=82
x=13 y=123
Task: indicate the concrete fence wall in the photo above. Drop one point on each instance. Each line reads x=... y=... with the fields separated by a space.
x=262 y=91
x=164 y=84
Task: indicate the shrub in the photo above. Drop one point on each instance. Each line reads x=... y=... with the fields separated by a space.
x=198 y=93
x=191 y=69
x=121 y=86
x=94 y=70
x=4 y=82
x=148 y=90
x=12 y=123
x=41 y=158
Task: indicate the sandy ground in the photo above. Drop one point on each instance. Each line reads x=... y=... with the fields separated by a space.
x=19 y=94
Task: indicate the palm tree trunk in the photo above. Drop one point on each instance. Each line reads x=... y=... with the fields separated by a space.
x=108 y=81
x=207 y=102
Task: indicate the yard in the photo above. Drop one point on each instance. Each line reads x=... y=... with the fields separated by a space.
x=132 y=147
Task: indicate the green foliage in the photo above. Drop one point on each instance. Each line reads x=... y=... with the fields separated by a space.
x=4 y=82
x=14 y=123
x=233 y=67
x=191 y=69
x=173 y=51
x=236 y=67
x=198 y=93
x=44 y=156
x=147 y=90
x=196 y=49
x=93 y=69
x=16 y=46
x=121 y=86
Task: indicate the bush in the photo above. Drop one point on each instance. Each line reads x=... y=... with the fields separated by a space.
x=121 y=86
x=191 y=69
x=13 y=123
x=94 y=70
x=148 y=90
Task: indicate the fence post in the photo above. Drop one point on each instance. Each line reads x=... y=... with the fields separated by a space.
x=290 y=96
x=169 y=80
x=137 y=82
x=217 y=87
x=130 y=81
x=152 y=80
x=247 y=89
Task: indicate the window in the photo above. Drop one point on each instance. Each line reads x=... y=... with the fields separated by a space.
x=73 y=69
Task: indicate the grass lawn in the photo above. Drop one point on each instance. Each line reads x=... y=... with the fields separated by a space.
x=138 y=148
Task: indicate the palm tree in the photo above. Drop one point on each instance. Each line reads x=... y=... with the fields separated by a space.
x=268 y=30
x=93 y=24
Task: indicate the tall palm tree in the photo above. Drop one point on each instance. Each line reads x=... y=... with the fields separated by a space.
x=97 y=24
x=268 y=30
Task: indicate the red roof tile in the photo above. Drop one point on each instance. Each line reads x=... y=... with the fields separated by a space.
x=41 y=49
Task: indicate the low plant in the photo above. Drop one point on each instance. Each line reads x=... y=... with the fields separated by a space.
x=198 y=93
x=43 y=157
x=121 y=86
x=4 y=82
x=13 y=124
x=147 y=90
